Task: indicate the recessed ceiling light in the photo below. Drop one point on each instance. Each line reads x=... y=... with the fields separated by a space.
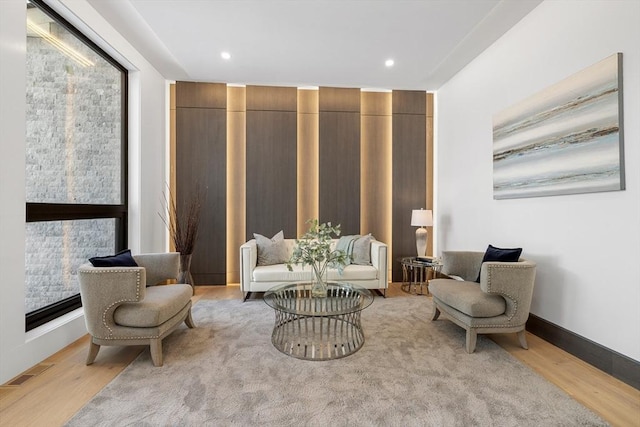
x=389 y=62
x=225 y=55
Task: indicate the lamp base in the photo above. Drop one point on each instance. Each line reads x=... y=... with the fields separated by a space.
x=421 y=241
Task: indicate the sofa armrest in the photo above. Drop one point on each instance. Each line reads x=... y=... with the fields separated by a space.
x=379 y=261
x=159 y=266
x=248 y=261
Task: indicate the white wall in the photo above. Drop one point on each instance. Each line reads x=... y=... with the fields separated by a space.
x=147 y=173
x=587 y=246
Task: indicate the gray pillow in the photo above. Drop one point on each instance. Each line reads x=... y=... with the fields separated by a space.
x=271 y=251
x=362 y=250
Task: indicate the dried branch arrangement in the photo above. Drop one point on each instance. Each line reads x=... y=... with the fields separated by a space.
x=183 y=223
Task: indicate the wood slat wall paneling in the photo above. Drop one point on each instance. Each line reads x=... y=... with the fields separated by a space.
x=236 y=179
x=339 y=158
x=376 y=167
x=201 y=159
x=172 y=148
x=201 y=95
x=271 y=152
x=409 y=170
x=307 y=158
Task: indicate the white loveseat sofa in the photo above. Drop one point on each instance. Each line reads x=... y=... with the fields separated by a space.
x=255 y=278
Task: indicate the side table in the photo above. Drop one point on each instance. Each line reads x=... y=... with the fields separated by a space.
x=415 y=273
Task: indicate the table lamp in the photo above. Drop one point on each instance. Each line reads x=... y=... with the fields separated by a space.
x=421 y=218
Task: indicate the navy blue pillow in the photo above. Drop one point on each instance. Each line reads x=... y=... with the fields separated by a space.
x=121 y=259
x=500 y=254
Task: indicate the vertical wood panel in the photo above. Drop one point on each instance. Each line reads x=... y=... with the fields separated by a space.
x=376 y=167
x=430 y=168
x=236 y=183
x=409 y=170
x=307 y=158
x=271 y=161
x=172 y=149
x=339 y=158
x=201 y=146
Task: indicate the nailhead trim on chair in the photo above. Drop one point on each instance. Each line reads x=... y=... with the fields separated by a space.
x=515 y=265
x=104 y=314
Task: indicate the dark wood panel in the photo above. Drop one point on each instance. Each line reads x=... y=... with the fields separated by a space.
x=201 y=146
x=605 y=359
x=271 y=172
x=201 y=95
x=339 y=99
x=409 y=102
x=409 y=182
x=272 y=98
x=339 y=172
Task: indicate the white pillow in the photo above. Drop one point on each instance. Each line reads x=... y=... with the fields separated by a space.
x=271 y=251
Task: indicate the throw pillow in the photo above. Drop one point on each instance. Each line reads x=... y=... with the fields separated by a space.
x=121 y=259
x=500 y=254
x=271 y=251
x=362 y=250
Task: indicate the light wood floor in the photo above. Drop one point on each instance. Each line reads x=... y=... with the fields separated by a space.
x=52 y=391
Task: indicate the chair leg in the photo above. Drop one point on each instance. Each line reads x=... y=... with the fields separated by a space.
x=156 y=351
x=436 y=313
x=93 y=351
x=522 y=337
x=189 y=320
x=472 y=337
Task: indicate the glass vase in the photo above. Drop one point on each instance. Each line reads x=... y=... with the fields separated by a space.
x=318 y=285
x=184 y=273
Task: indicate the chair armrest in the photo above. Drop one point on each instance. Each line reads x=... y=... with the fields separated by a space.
x=103 y=289
x=159 y=266
x=512 y=280
x=465 y=264
x=248 y=261
x=379 y=261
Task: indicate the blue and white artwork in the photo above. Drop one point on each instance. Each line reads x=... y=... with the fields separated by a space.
x=566 y=139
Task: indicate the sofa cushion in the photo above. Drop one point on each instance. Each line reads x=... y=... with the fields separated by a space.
x=279 y=273
x=271 y=251
x=160 y=304
x=467 y=297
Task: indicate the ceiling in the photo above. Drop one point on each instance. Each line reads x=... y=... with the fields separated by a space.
x=339 y=43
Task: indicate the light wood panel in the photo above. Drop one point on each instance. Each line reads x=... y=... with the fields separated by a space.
x=236 y=179
x=376 y=165
x=409 y=170
x=307 y=158
x=271 y=160
x=339 y=158
x=55 y=395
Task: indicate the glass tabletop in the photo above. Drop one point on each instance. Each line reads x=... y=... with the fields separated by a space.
x=295 y=298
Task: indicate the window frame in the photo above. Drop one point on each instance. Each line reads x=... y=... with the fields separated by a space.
x=40 y=212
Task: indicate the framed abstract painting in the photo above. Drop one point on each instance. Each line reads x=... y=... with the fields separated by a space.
x=566 y=139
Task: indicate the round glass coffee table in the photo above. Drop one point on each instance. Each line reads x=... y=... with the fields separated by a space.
x=318 y=328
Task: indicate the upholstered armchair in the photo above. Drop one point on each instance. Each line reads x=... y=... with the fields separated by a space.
x=500 y=303
x=123 y=306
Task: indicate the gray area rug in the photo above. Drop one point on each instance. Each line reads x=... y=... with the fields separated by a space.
x=410 y=372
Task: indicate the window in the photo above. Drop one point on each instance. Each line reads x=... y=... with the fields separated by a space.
x=76 y=161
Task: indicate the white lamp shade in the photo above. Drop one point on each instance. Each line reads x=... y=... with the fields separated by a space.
x=421 y=218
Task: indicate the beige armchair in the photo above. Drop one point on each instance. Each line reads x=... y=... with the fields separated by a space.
x=500 y=303
x=122 y=305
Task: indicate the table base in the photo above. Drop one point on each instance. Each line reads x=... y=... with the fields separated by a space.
x=317 y=337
